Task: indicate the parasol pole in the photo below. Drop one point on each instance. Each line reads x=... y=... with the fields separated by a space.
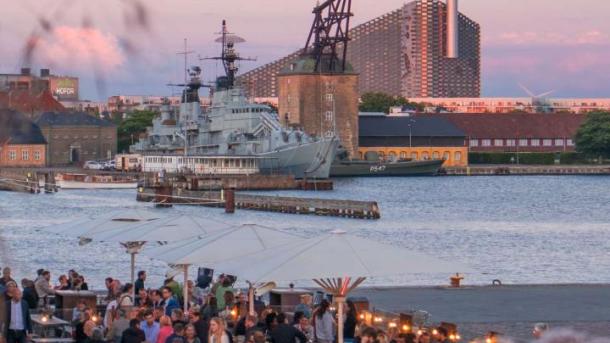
x=185 y=290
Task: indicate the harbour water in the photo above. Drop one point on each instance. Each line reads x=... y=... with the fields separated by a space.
x=524 y=229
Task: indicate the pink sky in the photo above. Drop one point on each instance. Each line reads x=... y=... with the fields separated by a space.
x=545 y=44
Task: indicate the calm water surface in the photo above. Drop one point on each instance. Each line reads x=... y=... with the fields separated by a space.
x=516 y=229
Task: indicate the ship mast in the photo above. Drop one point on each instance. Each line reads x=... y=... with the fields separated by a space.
x=229 y=55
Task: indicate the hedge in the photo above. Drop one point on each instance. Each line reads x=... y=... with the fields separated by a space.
x=526 y=158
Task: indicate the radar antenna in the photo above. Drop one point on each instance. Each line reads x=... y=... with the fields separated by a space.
x=229 y=55
x=330 y=29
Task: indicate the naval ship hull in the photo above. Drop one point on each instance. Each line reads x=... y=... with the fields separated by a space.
x=373 y=168
x=308 y=160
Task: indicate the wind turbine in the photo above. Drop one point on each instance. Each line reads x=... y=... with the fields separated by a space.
x=538 y=99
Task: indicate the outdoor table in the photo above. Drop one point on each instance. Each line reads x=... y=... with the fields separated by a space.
x=49 y=324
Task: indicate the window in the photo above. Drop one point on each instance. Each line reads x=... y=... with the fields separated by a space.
x=330 y=97
x=446 y=156
x=457 y=156
x=547 y=142
x=498 y=142
x=37 y=155
x=436 y=155
x=329 y=115
x=403 y=155
x=414 y=156
x=523 y=142
x=474 y=142
x=25 y=155
x=535 y=142
x=425 y=155
x=12 y=155
x=511 y=142
x=486 y=142
x=570 y=142
x=559 y=142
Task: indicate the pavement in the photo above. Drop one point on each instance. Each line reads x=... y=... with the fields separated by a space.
x=512 y=309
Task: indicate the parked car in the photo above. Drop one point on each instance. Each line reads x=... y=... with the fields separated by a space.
x=94 y=165
x=110 y=165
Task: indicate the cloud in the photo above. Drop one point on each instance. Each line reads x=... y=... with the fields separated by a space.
x=80 y=48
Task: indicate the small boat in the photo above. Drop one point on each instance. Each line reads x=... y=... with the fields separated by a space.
x=341 y=168
x=86 y=181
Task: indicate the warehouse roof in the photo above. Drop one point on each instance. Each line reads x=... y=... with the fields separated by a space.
x=71 y=119
x=15 y=128
x=516 y=125
x=421 y=126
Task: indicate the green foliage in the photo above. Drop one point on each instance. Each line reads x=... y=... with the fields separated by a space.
x=132 y=127
x=593 y=137
x=381 y=102
x=565 y=158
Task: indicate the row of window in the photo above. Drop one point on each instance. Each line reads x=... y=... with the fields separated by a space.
x=238 y=163
x=25 y=155
x=558 y=142
x=247 y=110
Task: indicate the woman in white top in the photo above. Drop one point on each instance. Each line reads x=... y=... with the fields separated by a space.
x=324 y=323
x=217 y=333
x=126 y=300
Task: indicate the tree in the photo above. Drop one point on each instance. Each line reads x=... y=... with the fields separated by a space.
x=130 y=128
x=381 y=102
x=593 y=136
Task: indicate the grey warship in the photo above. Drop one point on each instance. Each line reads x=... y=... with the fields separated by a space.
x=233 y=126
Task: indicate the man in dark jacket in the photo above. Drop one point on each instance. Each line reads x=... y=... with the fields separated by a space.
x=133 y=334
x=284 y=333
x=2 y=314
x=201 y=325
x=18 y=322
x=177 y=336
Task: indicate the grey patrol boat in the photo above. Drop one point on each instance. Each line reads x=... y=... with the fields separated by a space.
x=233 y=126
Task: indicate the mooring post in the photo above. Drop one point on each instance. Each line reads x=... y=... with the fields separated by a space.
x=229 y=200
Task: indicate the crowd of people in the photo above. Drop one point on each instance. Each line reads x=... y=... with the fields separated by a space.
x=137 y=313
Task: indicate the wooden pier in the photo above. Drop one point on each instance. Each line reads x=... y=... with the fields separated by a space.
x=291 y=205
x=27 y=180
x=480 y=170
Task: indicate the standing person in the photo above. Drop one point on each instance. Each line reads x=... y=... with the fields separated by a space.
x=29 y=293
x=178 y=335
x=190 y=334
x=126 y=300
x=150 y=327
x=108 y=282
x=221 y=291
x=133 y=334
x=165 y=329
x=424 y=337
x=43 y=287
x=155 y=299
x=218 y=332
x=285 y=333
x=6 y=276
x=201 y=326
x=169 y=303
x=117 y=325
x=3 y=311
x=18 y=319
x=305 y=305
x=139 y=284
x=305 y=327
x=142 y=299
x=211 y=309
x=369 y=335
x=351 y=320
x=324 y=323
x=63 y=284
